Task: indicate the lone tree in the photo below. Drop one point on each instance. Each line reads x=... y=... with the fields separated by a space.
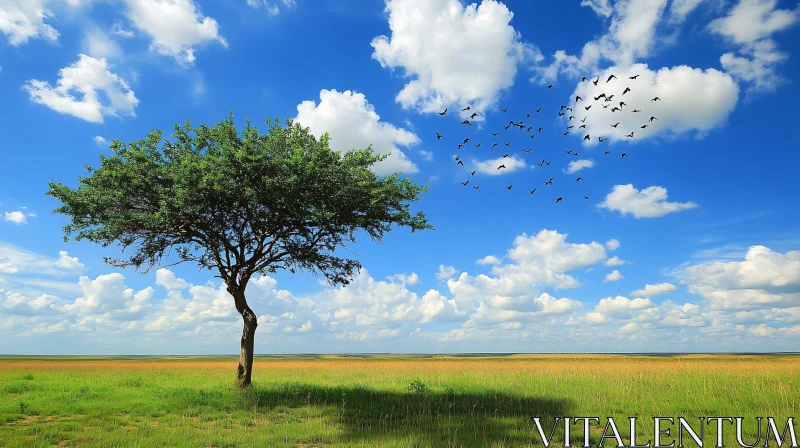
x=240 y=204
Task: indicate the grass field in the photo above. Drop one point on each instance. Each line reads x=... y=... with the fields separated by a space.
x=390 y=401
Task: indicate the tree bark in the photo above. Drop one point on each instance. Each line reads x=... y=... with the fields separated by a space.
x=245 y=370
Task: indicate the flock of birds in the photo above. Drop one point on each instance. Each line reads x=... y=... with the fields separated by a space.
x=607 y=101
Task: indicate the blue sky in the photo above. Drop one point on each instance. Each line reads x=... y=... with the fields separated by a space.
x=688 y=244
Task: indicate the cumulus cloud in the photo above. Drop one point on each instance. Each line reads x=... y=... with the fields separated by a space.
x=352 y=122
x=763 y=279
x=491 y=166
x=489 y=259
x=175 y=27
x=446 y=272
x=613 y=276
x=455 y=54
x=577 y=165
x=631 y=36
x=614 y=261
x=654 y=290
x=272 y=8
x=550 y=249
x=99 y=140
x=648 y=203
x=750 y=25
x=17 y=217
x=78 y=91
x=612 y=245
x=15 y=260
x=22 y=20
x=99 y=44
x=692 y=101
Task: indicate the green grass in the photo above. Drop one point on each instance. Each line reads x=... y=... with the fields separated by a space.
x=378 y=401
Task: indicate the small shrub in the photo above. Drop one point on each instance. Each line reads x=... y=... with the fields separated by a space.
x=28 y=376
x=17 y=388
x=22 y=406
x=417 y=387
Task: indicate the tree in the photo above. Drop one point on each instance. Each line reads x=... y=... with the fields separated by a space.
x=240 y=204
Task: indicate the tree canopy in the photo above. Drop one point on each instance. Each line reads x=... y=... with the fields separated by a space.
x=241 y=203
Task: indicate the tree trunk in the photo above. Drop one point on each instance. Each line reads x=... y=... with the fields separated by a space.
x=245 y=370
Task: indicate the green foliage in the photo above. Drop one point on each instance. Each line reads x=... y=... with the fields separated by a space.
x=238 y=202
x=418 y=387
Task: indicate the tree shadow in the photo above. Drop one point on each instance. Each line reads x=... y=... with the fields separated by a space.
x=420 y=417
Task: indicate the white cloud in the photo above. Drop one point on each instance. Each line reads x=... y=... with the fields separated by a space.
x=99 y=140
x=457 y=55
x=622 y=304
x=175 y=26
x=15 y=260
x=168 y=279
x=691 y=101
x=549 y=249
x=98 y=44
x=577 y=165
x=446 y=272
x=750 y=24
x=654 y=290
x=680 y=9
x=77 y=91
x=613 y=276
x=631 y=36
x=751 y=20
x=612 y=245
x=615 y=261
x=351 y=123
x=601 y=7
x=491 y=166
x=17 y=217
x=271 y=7
x=22 y=20
x=648 y=203
x=489 y=259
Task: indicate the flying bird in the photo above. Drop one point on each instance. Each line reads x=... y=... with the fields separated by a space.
x=602 y=95
x=566 y=133
x=477 y=187
x=636 y=110
x=584 y=79
x=461 y=163
x=586 y=137
x=508 y=143
x=644 y=126
x=438 y=136
x=610 y=78
x=472 y=173
x=630 y=135
x=614 y=109
x=577 y=98
x=634 y=77
x=588 y=107
x=443 y=112
x=533 y=191
x=529 y=116
x=550 y=86
x=601 y=139
x=507 y=126
x=596 y=80
x=548 y=163
x=527 y=150
x=477 y=146
x=495 y=134
x=466 y=140
x=465 y=183
x=627 y=89
x=501 y=166
x=583 y=126
x=577 y=155
x=653 y=118
x=570 y=118
x=624 y=155
x=586 y=197
x=578 y=180
x=460 y=145
x=622 y=103
x=505 y=110
x=559 y=199
x=608 y=153
x=563 y=107
x=466 y=122
x=655 y=99
x=569 y=152
x=509 y=187
x=474 y=114
x=540 y=129
x=466 y=108
x=538 y=110
x=615 y=125
x=506 y=155
x=495 y=145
